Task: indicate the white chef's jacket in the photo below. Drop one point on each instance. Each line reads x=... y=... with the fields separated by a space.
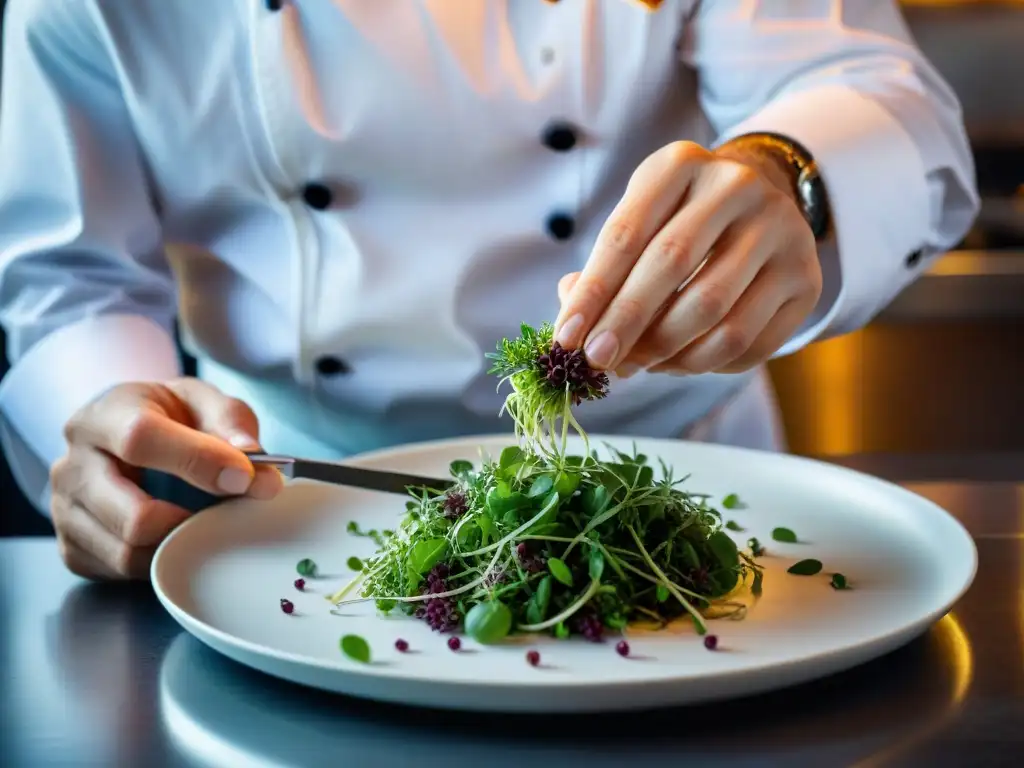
x=347 y=203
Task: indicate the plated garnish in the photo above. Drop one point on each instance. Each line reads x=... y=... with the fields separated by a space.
x=541 y=540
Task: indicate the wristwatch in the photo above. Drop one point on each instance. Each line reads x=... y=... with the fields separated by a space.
x=809 y=187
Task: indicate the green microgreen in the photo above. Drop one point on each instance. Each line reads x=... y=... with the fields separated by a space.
x=354 y=564
x=732 y=525
x=356 y=648
x=732 y=501
x=784 y=535
x=839 y=581
x=808 y=567
x=306 y=568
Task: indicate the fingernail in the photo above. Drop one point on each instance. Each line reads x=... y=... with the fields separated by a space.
x=244 y=441
x=234 y=481
x=625 y=371
x=601 y=351
x=570 y=330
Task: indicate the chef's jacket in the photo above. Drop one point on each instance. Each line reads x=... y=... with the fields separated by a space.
x=347 y=203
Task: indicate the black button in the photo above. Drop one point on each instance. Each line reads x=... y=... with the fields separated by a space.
x=560 y=137
x=317 y=196
x=561 y=226
x=913 y=258
x=274 y=5
x=329 y=365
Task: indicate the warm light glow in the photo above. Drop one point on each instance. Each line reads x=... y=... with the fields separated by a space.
x=955 y=646
x=834 y=368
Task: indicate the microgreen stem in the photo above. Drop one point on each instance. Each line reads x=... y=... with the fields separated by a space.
x=568 y=612
x=697 y=617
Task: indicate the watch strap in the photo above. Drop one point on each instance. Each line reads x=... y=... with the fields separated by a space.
x=808 y=186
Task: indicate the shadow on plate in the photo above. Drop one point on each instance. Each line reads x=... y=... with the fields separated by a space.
x=223 y=714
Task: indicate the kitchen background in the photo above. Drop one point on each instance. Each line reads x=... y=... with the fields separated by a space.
x=941 y=370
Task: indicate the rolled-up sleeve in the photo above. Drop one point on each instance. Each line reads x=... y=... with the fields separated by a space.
x=845 y=80
x=86 y=297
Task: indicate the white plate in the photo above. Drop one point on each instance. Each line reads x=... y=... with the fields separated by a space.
x=223 y=572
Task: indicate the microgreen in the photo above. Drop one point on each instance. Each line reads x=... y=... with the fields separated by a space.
x=356 y=648
x=306 y=568
x=354 y=564
x=732 y=501
x=784 y=535
x=489 y=622
x=732 y=525
x=839 y=581
x=807 y=567
x=540 y=540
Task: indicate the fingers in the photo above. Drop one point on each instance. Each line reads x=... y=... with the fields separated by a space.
x=218 y=414
x=92 y=551
x=134 y=426
x=82 y=563
x=704 y=303
x=735 y=336
x=652 y=196
x=93 y=481
x=566 y=284
x=229 y=418
x=781 y=327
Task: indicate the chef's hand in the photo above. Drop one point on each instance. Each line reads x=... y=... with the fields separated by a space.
x=761 y=280
x=107 y=526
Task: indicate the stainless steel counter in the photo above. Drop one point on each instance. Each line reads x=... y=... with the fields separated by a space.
x=100 y=676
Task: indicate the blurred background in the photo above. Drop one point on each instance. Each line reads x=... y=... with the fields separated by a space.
x=940 y=370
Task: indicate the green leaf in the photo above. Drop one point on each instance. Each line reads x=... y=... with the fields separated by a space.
x=755 y=547
x=560 y=571
x=354 y=564
x=724 y=580
x=561 y=631
x=510 y=456
x=724 y=549
x=426 y=554
x=662 y=593
x=595 y=500
x=566 y=484
x=807 y=567
x=356 y=648
x=487 y=529
x=306 y=567
x=500 y=501
x=755 y=588
x=784 y=535
x=596 y=564
x=839 y=581
x=353 y=527
x=537 y=608
x=732 y=501
x=469 y=535
x=688 y=554
x=541 y=486
x=460 y=468
x=732 y=525
x=489 y=622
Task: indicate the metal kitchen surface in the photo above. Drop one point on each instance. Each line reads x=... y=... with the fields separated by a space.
x=101 y=676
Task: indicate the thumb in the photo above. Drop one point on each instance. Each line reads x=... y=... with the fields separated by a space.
x=218 y=414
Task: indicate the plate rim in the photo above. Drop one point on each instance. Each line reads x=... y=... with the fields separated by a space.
x=198 y=627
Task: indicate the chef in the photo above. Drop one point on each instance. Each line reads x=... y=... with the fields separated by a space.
x=345 y=204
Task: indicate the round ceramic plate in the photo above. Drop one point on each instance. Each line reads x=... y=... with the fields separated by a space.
x=223 y=573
